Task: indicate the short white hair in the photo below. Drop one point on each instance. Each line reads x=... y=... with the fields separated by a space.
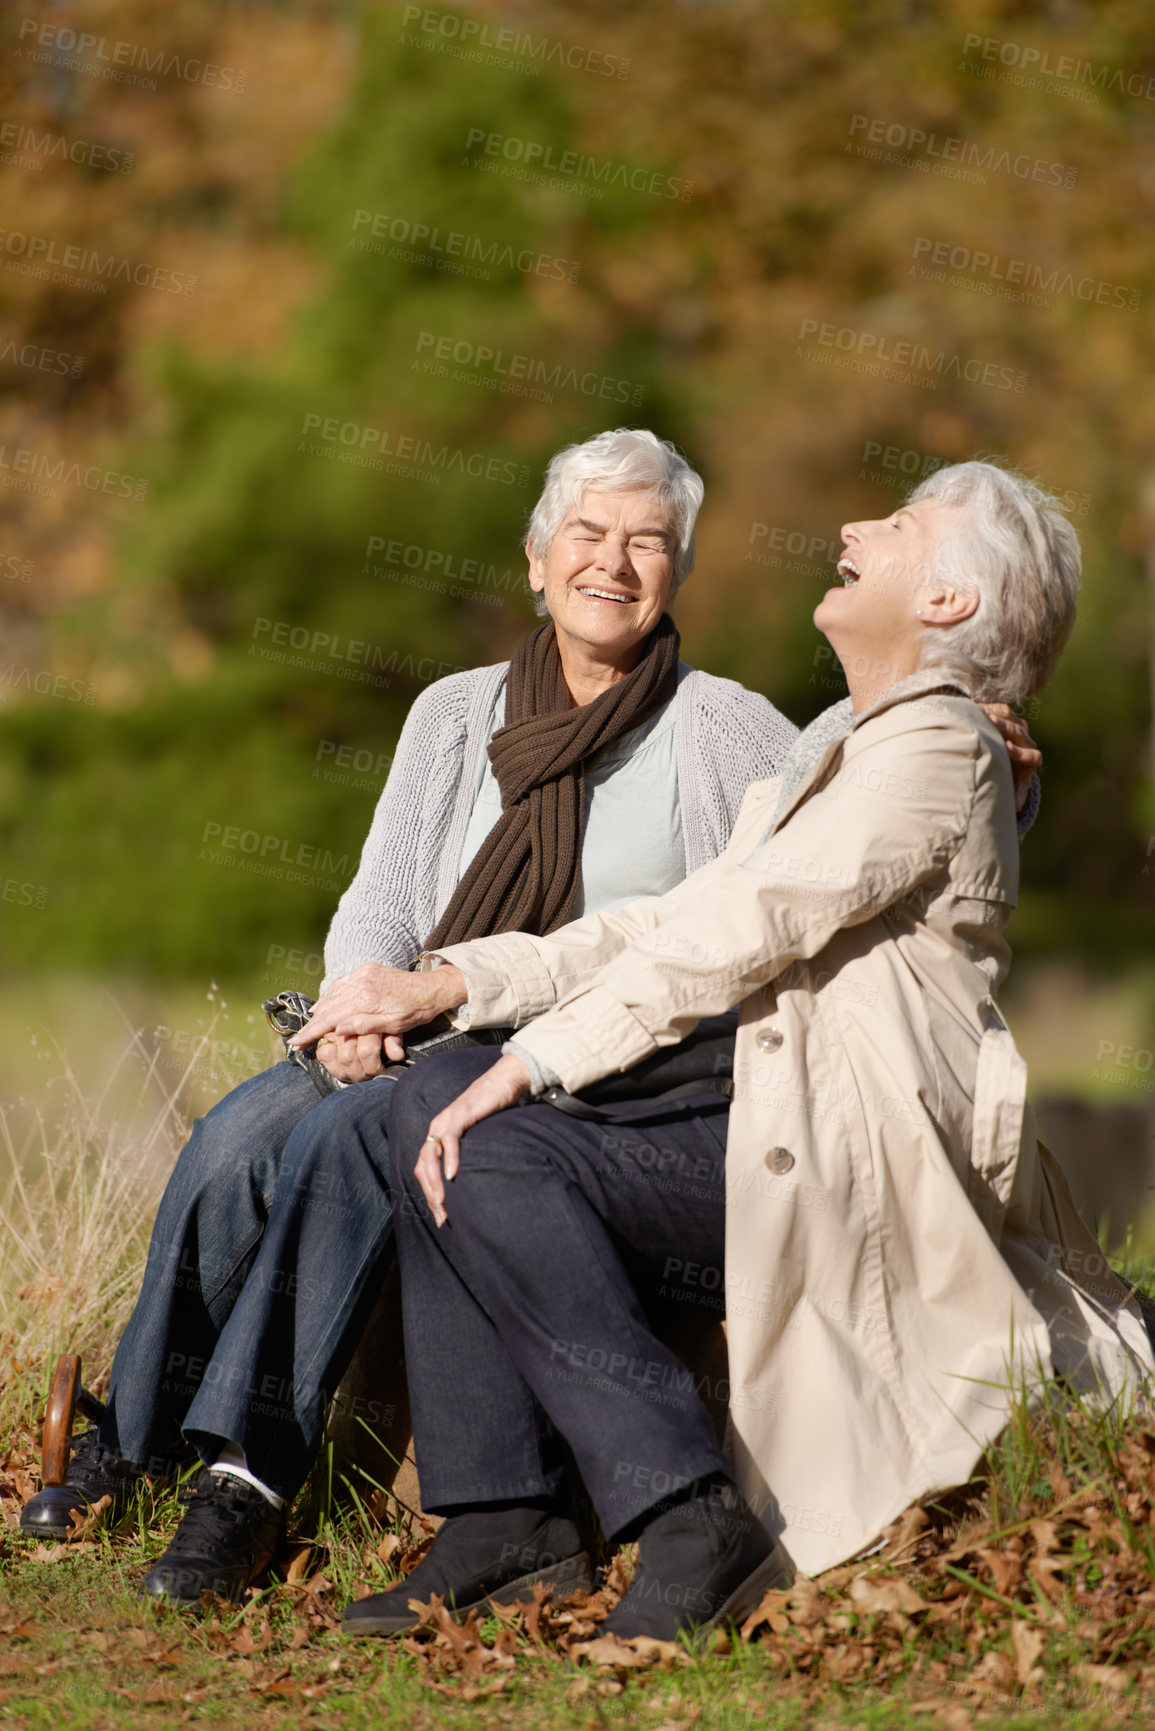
x=1023 y=557
x=624 y=461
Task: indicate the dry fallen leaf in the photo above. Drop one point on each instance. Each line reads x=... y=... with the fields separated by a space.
x=1028 y=1642
x=609 y=1650
x=389 y=1545
x=57 y=1553
x=874 y=1596
x=1112 y=1678
x=14 y=1624
x=904 y=1533
x=82 y=1525
x=994 y=1671
x=772 y=1611
x=1006 y=1569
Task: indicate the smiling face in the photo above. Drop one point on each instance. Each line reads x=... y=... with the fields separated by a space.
x=890 y=595
x=608 y=575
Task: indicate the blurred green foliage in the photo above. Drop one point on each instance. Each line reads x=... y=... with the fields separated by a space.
x=256 y=527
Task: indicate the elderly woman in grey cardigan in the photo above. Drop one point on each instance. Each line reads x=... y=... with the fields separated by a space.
x=593 y=768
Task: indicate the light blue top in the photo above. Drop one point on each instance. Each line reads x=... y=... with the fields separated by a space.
x=726 y=737
x=632 y=842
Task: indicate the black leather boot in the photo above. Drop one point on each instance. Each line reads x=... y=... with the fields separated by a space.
x=703 y=1562
x=485 y=1557
x=93 y=1472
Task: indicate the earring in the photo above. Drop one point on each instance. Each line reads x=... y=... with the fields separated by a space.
x=918 y=612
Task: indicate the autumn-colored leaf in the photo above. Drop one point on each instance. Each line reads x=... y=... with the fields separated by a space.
x=623 y=1655
x=476 y=1691
x=772 y=1611
x=994 y=1671
x=1006 y=1569
x=619 y=1576
x=388 y=1547
x=14 y=1625
x=848 y=1661
x=57 y=1553
x=804 y=1603
x=82 y=1524
x=1044 y=1572
x=1028 y=1642
x=875 y=1595
x=1060 y=1484
x=533 y=1614
x=1113 y=1678
x=299 y=1564
x=248 y=1639
x=906 y=1532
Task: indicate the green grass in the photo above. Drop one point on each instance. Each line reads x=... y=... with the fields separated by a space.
x=1026 y=1600
x=1029 y=1596
x=92 y=1656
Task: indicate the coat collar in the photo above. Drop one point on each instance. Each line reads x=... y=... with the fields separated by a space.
x=918 y=684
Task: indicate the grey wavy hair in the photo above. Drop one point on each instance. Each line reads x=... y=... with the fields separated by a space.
x=619 y=462
x=1023 y=556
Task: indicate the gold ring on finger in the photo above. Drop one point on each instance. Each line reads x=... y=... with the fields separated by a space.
x=432 y=1138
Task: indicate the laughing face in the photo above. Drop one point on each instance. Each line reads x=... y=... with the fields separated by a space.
x=609 y=573
x=877 y=617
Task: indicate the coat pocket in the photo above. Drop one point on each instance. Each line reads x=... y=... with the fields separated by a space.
x=997 y=1125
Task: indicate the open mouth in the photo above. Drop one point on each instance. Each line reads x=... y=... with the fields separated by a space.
x=848 y=571
x=604 y=595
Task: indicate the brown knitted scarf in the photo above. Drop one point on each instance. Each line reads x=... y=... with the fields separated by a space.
x=525 y=875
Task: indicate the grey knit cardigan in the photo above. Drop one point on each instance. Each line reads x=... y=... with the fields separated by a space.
x=727 y=737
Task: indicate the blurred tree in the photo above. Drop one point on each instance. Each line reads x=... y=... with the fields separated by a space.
x=818 y=154
x=331 y=524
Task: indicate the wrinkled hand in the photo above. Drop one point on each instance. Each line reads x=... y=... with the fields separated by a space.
x=352 y=1057
x=1026 y=758
x=365 y=1011
x=440 y=1156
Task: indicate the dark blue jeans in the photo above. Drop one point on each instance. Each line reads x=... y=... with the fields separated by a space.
x=522 y=1316
x=271 y=1238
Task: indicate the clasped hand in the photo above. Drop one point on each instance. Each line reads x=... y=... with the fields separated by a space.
x=358 y=1020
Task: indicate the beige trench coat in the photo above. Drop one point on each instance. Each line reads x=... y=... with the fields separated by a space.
x=898 y=1246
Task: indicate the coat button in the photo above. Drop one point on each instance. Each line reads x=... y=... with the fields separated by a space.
x=769 y=1040
x=780 y=1160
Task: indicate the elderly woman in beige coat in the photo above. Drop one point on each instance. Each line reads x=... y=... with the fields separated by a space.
x=900 y=1254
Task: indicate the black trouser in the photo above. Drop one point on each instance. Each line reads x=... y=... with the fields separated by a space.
x=521 y=1320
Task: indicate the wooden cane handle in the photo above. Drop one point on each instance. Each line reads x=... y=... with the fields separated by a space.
x=58 y=1418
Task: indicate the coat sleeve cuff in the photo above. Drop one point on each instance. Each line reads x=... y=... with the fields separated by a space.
x=506 y=981
x=590 y=1036
x=540 y=1078
x=1030 y=811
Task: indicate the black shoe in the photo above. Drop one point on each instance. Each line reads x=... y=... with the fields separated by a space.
x=484 y=1558
x=228 y=1537
x=93 y=1472
x=703 y=1562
